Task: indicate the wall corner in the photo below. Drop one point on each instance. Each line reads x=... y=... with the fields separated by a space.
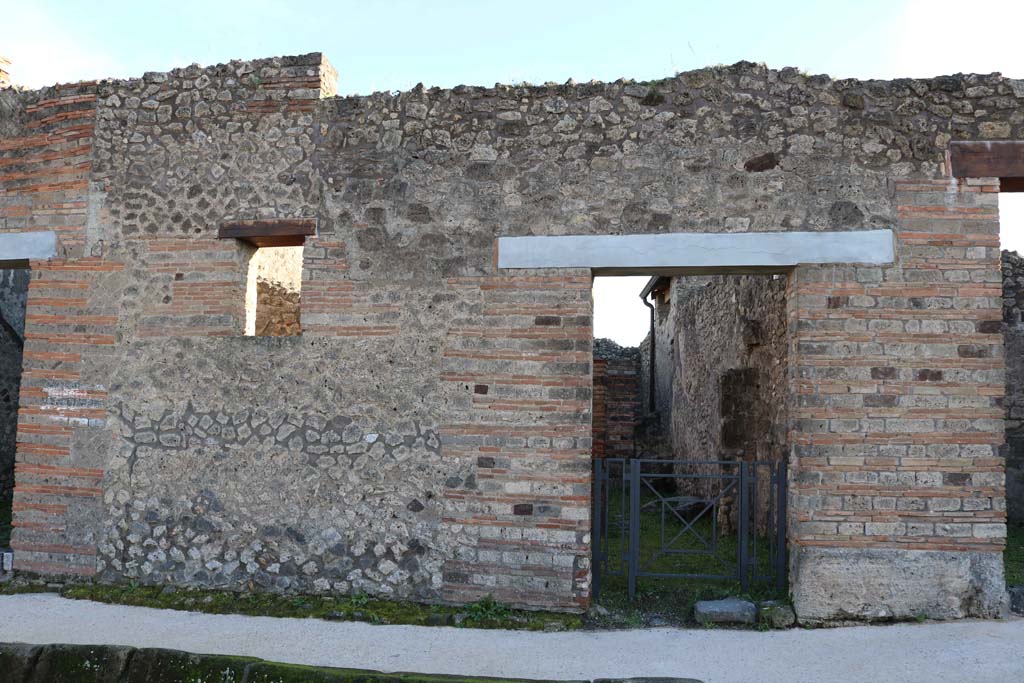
x=328 y=78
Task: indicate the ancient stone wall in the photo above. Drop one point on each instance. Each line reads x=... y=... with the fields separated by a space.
x=1013 y=336
x=278 y=311
x=616 y=402
x=665 y=324
x=138 y=376
x=730 y=382
x=46 y=148
x=664 y=352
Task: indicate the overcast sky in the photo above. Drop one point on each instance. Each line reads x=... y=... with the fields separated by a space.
x=392 y=45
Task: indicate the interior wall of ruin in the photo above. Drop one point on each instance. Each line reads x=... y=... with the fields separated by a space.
x=664 y=352
x=1013 y=335
x=730 y=385
x=729 y=380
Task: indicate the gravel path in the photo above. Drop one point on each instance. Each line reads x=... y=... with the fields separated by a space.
x=978 y=651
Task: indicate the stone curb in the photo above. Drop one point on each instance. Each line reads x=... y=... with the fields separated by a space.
x=25 y=663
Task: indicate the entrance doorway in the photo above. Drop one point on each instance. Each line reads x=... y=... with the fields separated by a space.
x=689 y=470
x=13 y=293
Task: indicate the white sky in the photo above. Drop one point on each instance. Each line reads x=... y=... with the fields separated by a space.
x=618 y=312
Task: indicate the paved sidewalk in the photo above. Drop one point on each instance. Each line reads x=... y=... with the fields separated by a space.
x=978 y=651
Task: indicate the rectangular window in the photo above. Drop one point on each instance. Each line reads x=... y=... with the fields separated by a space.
x=273 y=287
x=273 y=291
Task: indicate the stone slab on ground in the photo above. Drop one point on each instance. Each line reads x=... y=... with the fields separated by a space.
x=727 y=611
x=974 y=650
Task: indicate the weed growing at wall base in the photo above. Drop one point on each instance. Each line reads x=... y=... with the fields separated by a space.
x=1014 y=555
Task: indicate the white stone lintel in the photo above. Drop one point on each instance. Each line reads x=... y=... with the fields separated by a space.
x=696 y=252
x=25 y=246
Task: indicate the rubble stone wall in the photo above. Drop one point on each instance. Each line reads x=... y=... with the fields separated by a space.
x=664 y=352
x=161 y=445
x=730 y=382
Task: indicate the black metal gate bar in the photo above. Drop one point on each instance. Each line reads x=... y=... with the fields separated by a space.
x=743 y=562
x=597 y=556
x=736 y=478
x=781 y=492
x=634 y=525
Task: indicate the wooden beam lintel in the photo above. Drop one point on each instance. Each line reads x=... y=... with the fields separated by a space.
x=1003 y=159
x=269 y=232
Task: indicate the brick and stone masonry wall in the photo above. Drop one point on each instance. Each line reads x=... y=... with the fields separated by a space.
x=46 y=158
x=447 y=403
x=1013 y=336
x=616 y=400
x=898 y=420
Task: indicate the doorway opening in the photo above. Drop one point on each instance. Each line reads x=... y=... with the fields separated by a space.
x=13 y=295
x=693 y=505
x=1011 y=237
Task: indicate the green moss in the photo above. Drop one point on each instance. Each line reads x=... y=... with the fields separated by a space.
x=270 y=672
x=1014 y=555
x=172 y=666
x=109 y=663
x=486 y=613
x=79 y=663
x=17 y=587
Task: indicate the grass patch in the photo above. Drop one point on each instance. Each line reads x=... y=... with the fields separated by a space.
x=670 y=602
x=5 y=521
x=485 y=613
x=1014 y=555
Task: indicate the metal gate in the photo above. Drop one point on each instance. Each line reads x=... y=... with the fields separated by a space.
x=687 y=519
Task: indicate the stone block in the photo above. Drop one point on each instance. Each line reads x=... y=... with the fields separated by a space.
x=727 y=611
x=872 y=584
x=93 y=663
x=16 y=661
x=152 y=665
